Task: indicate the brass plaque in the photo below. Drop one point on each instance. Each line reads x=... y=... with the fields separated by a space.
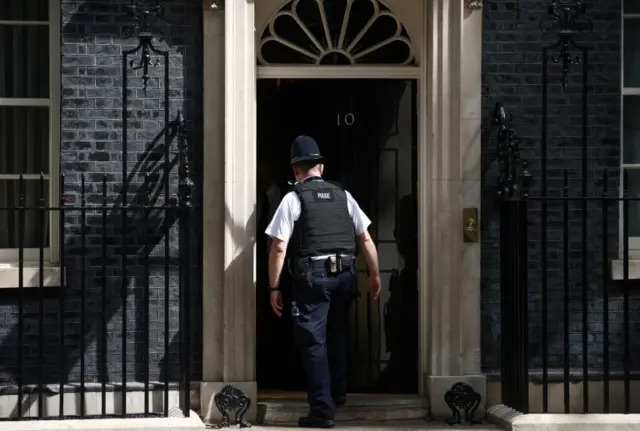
x=470 y=225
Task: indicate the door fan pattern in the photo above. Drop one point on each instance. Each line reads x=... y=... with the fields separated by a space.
x=335 y=32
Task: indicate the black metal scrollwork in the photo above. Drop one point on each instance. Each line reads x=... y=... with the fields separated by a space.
x=232 y=400
x=515 y=179
x=144 y=18
x=462 y=398
x=186 y=184
x=567 y=19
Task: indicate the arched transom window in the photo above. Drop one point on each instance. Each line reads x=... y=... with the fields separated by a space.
x=335 y=32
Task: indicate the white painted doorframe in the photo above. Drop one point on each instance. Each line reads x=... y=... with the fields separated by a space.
x=380 y=72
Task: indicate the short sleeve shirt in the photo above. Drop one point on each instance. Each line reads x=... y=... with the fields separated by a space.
x=288 y=212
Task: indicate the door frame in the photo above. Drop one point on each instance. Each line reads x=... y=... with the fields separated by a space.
x=449 y=177
x=414 y=73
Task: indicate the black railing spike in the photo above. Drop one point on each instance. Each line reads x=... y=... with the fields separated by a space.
x=83 y=288
x=104 y=367
x=147 y=289
x=21 y=299
x=41 y=314
x=186 y=184
x=62 y=327
x=514 y=180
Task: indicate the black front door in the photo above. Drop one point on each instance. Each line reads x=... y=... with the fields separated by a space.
x=366 y=131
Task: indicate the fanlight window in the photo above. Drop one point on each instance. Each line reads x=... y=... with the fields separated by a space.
x=335 y=32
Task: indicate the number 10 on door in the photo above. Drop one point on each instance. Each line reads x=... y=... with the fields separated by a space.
x=347 y=119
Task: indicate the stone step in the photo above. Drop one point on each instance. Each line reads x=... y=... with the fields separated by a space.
x=408 y=425
x=286 y=408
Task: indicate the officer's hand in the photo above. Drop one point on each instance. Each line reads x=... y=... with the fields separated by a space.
x=374 y=285
x=276 y=302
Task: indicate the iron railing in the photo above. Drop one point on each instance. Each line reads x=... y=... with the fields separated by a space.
x=513 y=189
x=104 y=243
x=575 y=264
x=561 y=298
x=98 y=323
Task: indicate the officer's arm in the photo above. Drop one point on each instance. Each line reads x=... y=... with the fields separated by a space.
x=276 y=261
x=280 y=230
x=361 y=222
x=370 y=253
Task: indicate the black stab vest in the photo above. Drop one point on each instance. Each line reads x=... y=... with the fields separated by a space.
x=325 y=226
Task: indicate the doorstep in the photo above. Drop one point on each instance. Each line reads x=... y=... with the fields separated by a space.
x=385 y=426
x=286 y=408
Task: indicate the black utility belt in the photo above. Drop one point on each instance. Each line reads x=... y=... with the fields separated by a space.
x=333 y=263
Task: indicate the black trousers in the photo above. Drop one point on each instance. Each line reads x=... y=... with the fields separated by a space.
x=321 y=335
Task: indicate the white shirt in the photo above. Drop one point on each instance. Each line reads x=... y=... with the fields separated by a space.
x=289 y=210
x=273 y=196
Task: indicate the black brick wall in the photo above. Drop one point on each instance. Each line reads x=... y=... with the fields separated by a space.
x=94 y=35
x=512 y=75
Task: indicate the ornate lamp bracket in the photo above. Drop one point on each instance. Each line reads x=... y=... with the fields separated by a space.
x=567 y=19
x=144 y=18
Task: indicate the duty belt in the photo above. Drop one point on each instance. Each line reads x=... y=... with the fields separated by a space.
x=327 y=256
x=333 y=263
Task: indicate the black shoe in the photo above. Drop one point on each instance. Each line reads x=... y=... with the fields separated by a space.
x=340 y=401
x=315 y=422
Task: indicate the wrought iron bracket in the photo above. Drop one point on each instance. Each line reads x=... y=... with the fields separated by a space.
x=231 y=400
x=144 y=18
x=463 y=401
x=567 y=18
x=515 y=180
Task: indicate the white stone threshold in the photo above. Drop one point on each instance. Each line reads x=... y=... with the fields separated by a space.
x=398 y=425
x=513 y=420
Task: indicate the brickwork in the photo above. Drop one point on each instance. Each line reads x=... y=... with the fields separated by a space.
x=94 y=35
x=512 y=75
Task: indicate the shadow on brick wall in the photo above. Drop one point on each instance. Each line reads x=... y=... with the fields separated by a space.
x=94 y=35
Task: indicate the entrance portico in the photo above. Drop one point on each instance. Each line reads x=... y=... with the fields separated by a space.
x=446 y=41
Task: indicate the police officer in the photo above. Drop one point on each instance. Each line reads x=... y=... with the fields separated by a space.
x=318 y=224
